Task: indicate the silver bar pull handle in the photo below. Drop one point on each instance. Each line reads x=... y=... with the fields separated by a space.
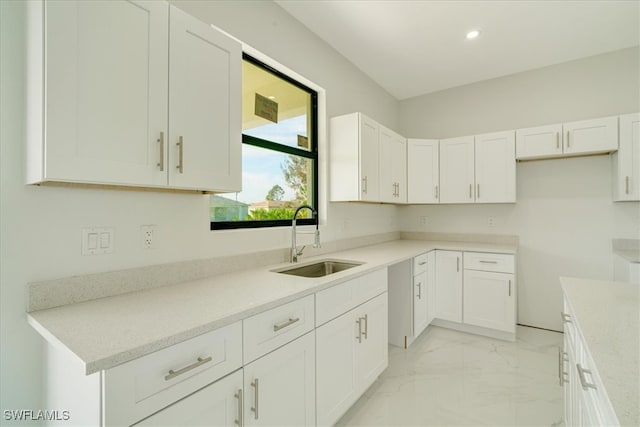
x=180 y=145
x=364 y=185
x=509 y=287
x=488 y=262
x=626 y=185
x=583 y=379
x=286 y=323
x=419 y=290
x=422 y=263
x=239 y=421
x=201 y=361
x=558 y=140
x=160 y=140
x=470 y=190
x=435 y=192
x=359 y=322
x=560 y=363
x=254 y=409
x=478 y=192
x=366 y=326
x=565 y=317
x=568 y=138
x=458 y=264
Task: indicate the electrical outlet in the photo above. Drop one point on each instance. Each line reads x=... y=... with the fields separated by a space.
x=148 y=234
x=491 y=221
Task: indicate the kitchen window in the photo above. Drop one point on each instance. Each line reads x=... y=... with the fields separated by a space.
x=279 y=152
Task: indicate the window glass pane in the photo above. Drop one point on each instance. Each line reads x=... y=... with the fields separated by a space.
x=274 y=109
x=274 y=185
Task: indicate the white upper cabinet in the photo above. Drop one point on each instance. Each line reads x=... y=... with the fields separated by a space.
x=457 y=174
x=393 y=166
x=104 y=88
x=108 y=104
x=591 y=136
x=354 y=158
x=423 y=171
x=539 y=142
x=568 y=139
x=204 y=106
x=626 y=162
x=495 y=168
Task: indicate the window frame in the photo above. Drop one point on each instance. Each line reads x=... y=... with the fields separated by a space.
x=281 y=148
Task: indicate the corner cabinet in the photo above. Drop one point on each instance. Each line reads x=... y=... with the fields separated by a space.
x=368 y=162
x=134 y=94
x=626 y=162
x=449 y=285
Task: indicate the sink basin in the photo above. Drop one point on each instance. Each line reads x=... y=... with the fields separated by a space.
x=320 y=268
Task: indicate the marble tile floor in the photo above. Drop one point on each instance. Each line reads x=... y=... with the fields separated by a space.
x=450 y=378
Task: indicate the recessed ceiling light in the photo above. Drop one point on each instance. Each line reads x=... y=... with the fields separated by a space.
x=473 y=34
x=271 y=97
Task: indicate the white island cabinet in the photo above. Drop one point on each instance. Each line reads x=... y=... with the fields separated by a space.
x=599 y=365
x=131 y=93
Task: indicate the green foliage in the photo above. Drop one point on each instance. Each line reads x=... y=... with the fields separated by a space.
x=295 y=171
x=276 y=193
x=276 y=213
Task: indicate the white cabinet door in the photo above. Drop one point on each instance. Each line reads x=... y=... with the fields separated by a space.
x=420 y=303
x=457 y=175
x=423 y=170
x=489 y=300
x=369 y=163
x=337 y=385
x=280 y=386
x=393 y=159
x=372 y=352
x=218 y=404
x=626 y=162
x=205 y=128
x=449 y=285
x=106 y=93
x=539 y=142
x=591 y=136
x=495 y=166
x=431 y=286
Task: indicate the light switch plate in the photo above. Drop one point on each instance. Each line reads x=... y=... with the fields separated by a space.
x=97 y=240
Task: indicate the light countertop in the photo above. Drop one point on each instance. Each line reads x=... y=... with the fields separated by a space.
x=106 y=332
x=608 y=316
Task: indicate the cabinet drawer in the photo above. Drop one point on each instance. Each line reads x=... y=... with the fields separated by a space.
x=420 y=264
x=267 y=331
x=138 y=388
x=500 y=263
x=334 y=301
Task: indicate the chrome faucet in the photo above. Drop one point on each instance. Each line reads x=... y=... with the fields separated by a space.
x=295 y=253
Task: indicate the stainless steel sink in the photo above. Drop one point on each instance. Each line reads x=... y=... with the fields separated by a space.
x=320 y=268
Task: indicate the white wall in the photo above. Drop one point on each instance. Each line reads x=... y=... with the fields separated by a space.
x=40 y=226
x=564 y=214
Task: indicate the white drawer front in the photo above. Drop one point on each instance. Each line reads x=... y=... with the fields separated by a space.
x=500 y=263
x=267 y=331
x=334 y=301
x=138 y=388
x=420 y=264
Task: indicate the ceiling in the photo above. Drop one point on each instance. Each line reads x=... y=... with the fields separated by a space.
x=416 y=47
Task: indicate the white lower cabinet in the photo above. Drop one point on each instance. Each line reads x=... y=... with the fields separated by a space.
x=449 y=285
x=280 y=386
x=219 y=404
x=489 y=300
x=482 y=299
x=351 y=353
